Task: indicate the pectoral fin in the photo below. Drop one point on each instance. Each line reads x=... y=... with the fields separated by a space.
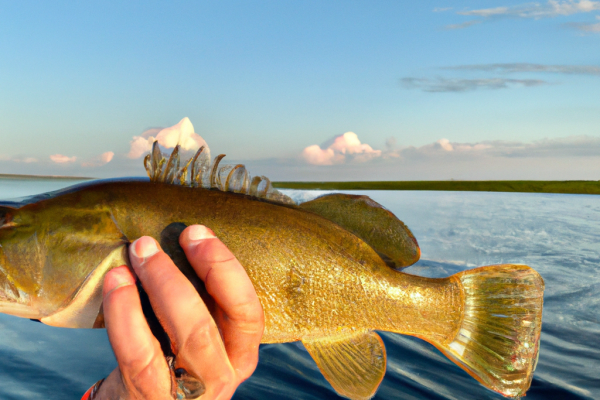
x=371 y=222
x=354 y=364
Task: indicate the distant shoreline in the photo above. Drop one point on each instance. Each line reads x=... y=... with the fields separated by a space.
x=66 y=178
x=566 y=187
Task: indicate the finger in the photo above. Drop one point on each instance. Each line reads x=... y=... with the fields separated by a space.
x=195 y=337
x=240 y=314
x=141 y=361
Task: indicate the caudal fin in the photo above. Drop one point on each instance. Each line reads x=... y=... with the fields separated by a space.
x=498 y=341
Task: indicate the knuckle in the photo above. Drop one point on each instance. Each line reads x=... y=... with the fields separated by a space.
x=137 y=361
x=143 y=375
x=200 y=337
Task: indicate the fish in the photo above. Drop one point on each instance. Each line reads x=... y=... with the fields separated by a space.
x=328 y=272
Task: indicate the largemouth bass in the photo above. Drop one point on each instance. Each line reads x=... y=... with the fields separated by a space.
x=326 y=271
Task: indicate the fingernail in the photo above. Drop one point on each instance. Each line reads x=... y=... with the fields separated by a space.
x=144 y=247
x=199 y=232
x=116 y=278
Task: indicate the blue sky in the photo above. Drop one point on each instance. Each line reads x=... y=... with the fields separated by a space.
x=434 y=89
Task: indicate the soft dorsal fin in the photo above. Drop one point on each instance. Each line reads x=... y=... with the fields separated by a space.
x=198 y=171
x=354 y=364
x=371 y=222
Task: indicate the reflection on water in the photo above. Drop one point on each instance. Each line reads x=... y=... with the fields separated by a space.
x=558 y=235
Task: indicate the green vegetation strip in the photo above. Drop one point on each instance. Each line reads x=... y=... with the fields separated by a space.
x=574 y=187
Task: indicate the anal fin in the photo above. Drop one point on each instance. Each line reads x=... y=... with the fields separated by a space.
x=354 y=364
x=371 y=222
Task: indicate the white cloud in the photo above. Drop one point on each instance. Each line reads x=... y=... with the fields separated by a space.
x=440 y=85
x=139 y=146
x=487 y=12
x=27 y=160
x=343 y=148
x=107 y=157
x=593 y=70
x=553 y=8
x=182 y=134
x=317 y=156
x=550 y=9
x=464 y=24
x=586 y=27
x=445 y=144
x=100 y=160
x=60 y=159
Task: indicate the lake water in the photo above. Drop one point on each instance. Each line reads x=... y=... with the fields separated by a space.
x=558 y=235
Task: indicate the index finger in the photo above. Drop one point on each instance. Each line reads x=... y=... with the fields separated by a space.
x=240 y=315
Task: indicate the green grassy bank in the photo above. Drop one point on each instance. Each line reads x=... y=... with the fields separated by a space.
x=574 y=187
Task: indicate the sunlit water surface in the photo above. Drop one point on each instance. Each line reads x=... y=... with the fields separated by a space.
x=558 y=235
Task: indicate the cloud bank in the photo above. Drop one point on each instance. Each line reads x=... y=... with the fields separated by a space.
x=567 y=158
x=572 y=146
x=181 y=133
x=340 y=149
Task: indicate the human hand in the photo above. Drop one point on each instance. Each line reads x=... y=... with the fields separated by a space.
x=220 y=350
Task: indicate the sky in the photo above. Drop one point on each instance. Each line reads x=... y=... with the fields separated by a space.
x=304 y=90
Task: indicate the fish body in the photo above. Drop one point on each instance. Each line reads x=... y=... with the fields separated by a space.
x=319 y=278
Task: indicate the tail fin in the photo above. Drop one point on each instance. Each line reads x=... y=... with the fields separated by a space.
x=498 y=341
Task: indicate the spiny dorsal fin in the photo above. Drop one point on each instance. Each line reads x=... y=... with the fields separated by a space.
x=354 y=364
x=371 y=222
x=198 y=171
